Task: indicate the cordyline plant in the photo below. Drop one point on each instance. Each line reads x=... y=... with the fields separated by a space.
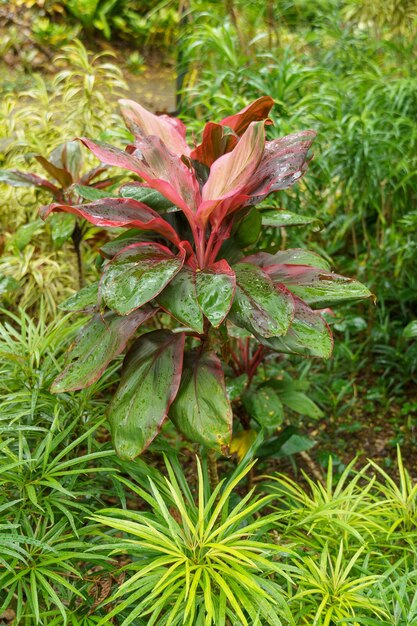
x=187 y=222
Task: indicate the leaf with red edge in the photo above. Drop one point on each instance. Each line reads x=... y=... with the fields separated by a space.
x=161 y=169
x=15 y=178
x=254 y=112
x=292 y=256
x=99 y=342
x=259 y=306
x=319 y=288
x=201 y=410
x=216 y=286
x=217 y=140
x=143 y=123
x=309 y=334
x=179 y=298
x=116 y=212
x=230 y=173
x=283 y=163
x=68 y=156
x=60 y=174
x=136 y=275
x=150 y=380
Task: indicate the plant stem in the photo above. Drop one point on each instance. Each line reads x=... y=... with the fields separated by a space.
x=212 y=468
x=76 y=240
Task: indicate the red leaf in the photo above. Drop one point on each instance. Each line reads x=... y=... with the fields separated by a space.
x=216 y=142
x=161 y=169
x=118 y=212
x=254 y=112
x=60 y=174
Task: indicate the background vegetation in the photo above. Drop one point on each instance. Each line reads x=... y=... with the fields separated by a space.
x=336 y=551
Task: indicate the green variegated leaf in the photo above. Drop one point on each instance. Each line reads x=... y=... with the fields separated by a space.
x=274 y=217
x=318 y=288
x=308 y=335
x=150 y=379
x=136 y=275
x=265 y=406
x=62 y=226
x=294 y=256
x=248 y=229
x=150 y=197
x=201 y=410
x=102 y=339
x=125 y=239
x=300 y=403
x=84 y=300
x=180 y=299
x=259 y=306
x=91 y=193
x=216 y=287
x=24 y=234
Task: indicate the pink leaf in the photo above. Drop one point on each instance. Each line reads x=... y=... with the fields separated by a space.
x=230 y=173
x=161 y=169
x=142 y=123
x=216 y=142
x=118 y=212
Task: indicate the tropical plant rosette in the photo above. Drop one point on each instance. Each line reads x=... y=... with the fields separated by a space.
x=188 y=221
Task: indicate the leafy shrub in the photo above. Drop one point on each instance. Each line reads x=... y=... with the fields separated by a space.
x=200 y=276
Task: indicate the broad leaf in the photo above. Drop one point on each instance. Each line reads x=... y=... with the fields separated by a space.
x=117 y=212
x=62 y=227
x=410 y=331
x=216 y=286
x=255 y=111
x=283 y=163
x=288 y=442
x=265 y=406
x=279 y=218
x=217 y=140
x=180 y=299
x=294 y=256
x=90 y=193
x=300 y=403
x=142 y=123
x=136 y=275
x=161 y=169
x=247 y=229
x=125 y=239
x=259 y=306
x=21 y=179
x=308 y=335
x=84 y=300
x=150 y=380
x=68 y=156
x=102 y=339
x=150 y=197
x=318 y=288
x=201 y=410
x=229 y=174
x=242 y=441
x=24 y=234
x=59 y=173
